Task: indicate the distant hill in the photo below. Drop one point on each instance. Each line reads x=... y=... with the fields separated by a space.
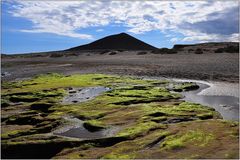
x=209 y=47
x=208 y=44
x=121 y=41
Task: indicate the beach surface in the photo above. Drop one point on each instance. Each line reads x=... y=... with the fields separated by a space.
x=212 y=66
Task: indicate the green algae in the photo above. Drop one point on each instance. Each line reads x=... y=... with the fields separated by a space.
x=142 y=92
x=139 y=129
x=184 y=109
x=120 y=156
x=53 y=80
x=94 y=125
x=138 y=107
x=187 y=86
x=197 y=137
x=11 y=134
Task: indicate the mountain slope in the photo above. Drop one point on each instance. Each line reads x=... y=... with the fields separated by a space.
x=118 y=41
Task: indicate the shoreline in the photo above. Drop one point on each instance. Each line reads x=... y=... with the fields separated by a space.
x=8 y=78
x=211 y=90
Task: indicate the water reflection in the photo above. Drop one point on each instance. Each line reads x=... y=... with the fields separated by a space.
x=227 y=106
x=75 y=129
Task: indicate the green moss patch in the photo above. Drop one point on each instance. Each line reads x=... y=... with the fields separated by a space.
x=196 y=137
x=187 y=86
x=139 y=129
x=152 y=122
x=94 y=125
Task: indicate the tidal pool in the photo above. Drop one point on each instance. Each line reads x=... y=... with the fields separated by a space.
x=222 y=96
x=227 y=106
x=77 y=95
x=75 y=129
x=83 y=133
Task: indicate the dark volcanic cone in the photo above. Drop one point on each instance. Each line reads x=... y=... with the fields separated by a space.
x=114 y=42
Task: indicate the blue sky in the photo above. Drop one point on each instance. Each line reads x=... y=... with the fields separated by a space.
x=38 y=26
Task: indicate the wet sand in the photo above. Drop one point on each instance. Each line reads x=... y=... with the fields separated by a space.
x=215 y=88
x=222 y=88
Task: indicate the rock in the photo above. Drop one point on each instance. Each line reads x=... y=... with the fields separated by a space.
x=157 y=114
x=41 y=106
x=72 y=92
x=225 y=106
x=92 y=128
x=178 y=120
x=140 y=87
x=192 y=87
x=23 y=99
x=5 y=104
x=177 y=90
x=4 y=74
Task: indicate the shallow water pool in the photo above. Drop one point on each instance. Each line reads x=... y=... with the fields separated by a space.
x=227 y=106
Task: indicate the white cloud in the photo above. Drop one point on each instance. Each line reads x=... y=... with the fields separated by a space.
x=191 y=36
x=99 y=30
x=174 y=40
x=70 y=34
x=65 y=17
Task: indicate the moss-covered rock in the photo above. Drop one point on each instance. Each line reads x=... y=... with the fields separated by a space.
x=41 y=106
x=187 y=86
x=93 y=125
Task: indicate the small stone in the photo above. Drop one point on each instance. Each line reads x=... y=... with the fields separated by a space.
x=224 y=106
x=72 y=91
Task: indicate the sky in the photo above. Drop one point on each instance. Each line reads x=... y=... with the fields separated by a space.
x=38 y=26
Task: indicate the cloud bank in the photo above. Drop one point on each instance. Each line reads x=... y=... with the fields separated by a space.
x=200 y=21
